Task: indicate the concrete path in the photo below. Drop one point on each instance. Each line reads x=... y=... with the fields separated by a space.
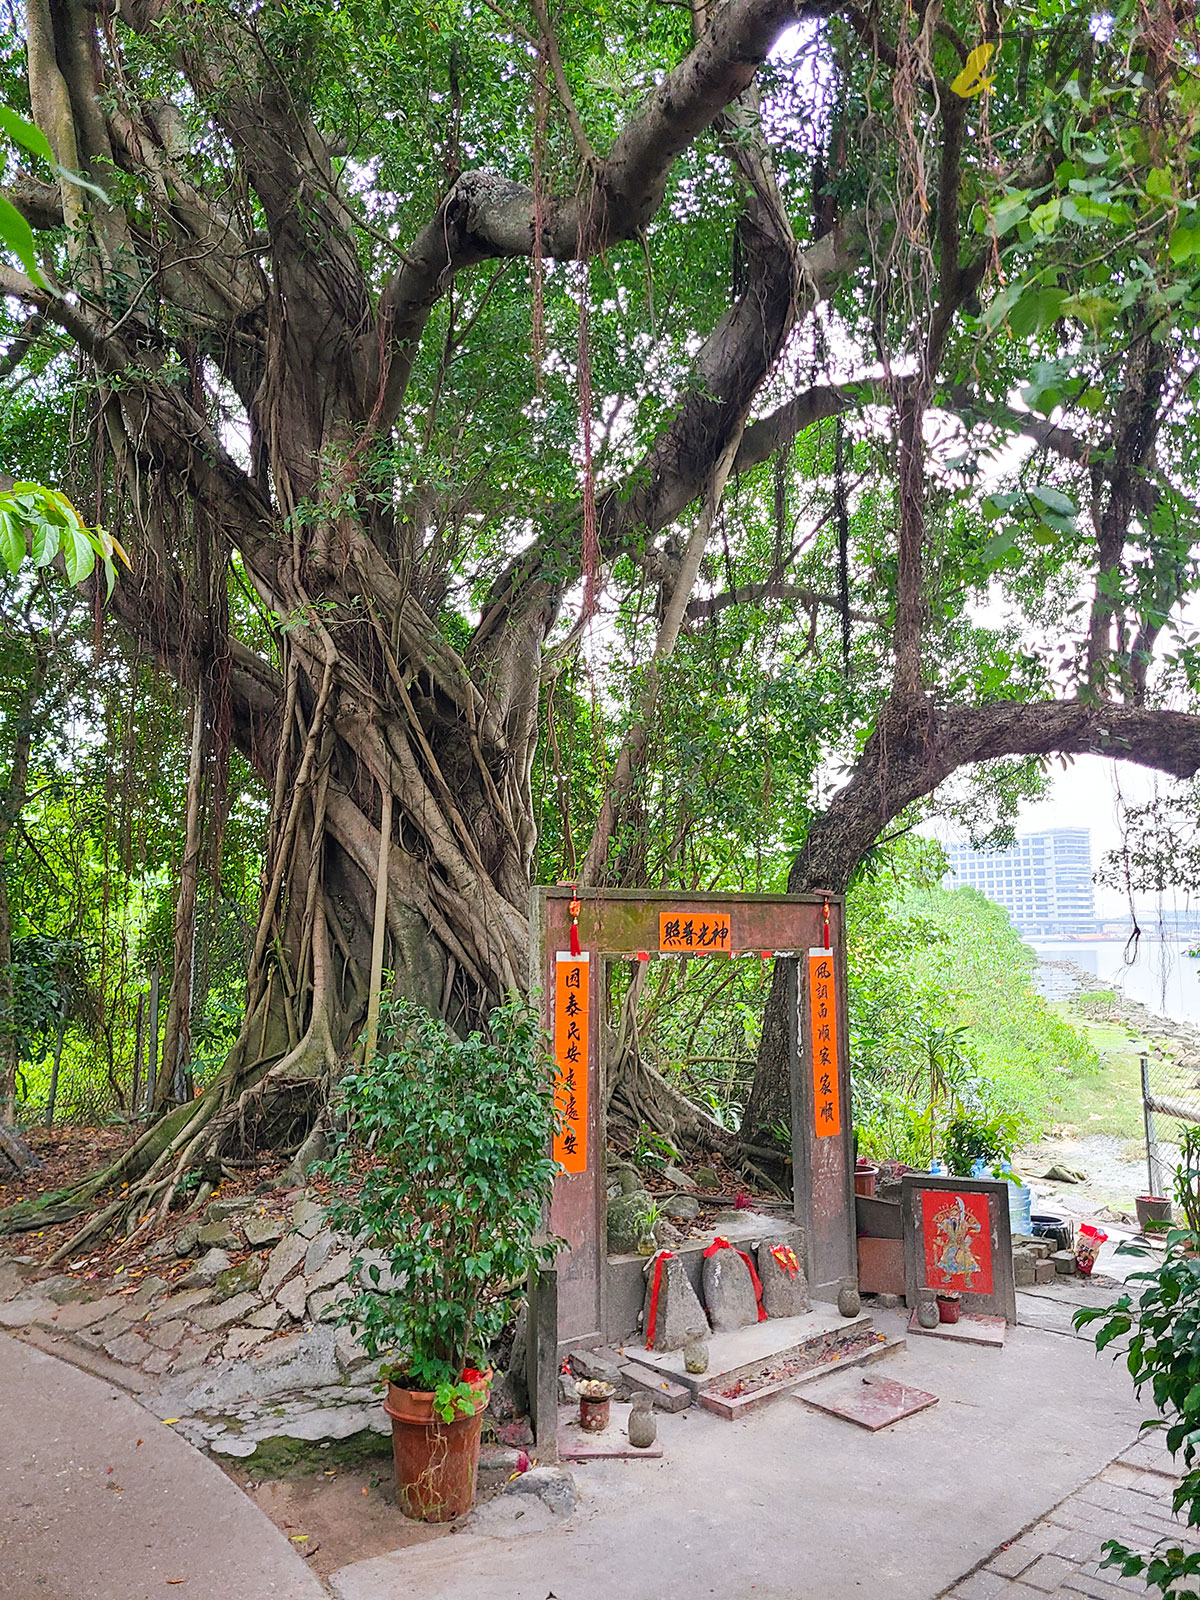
x=792 y=1504
x=1059 y=1557
x=100 y=1501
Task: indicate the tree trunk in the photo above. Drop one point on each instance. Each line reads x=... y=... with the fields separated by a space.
x=168 y=1088
x=12 y=802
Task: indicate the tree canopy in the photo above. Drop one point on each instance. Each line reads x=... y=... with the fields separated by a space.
x=631 y=444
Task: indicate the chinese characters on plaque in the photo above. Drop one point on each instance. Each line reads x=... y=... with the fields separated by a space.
x=571 y=977
x=684 y=933
x=827 y=1105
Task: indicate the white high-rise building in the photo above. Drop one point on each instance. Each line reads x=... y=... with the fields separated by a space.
x=1044 y=882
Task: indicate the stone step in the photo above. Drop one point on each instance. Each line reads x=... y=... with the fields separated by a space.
x=745 y=1350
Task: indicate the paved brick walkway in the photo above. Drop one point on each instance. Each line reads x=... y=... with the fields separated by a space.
x=1058 y=1558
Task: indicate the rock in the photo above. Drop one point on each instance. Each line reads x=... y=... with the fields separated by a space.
x=301 y=1361
x=1059 y=1174
x=706 y=1178
x=261 y=1230
x=180 y=1305
x=553 y=1486
x=158 y=1362
x=602 y=1366
x=335 y=1271
x=237 y=1280
x=207 y=1270
x=212 y=1318
x=518 y=1381
x=681 y=1208
x=784 y=1284
x=191 y=1353
x=187 y=1238
x=283 y=1261
x=293 y=1298
x=168 y=1334
x=317 y=1253
x=218 y=1210
x=678 y=1178
x=887 y=1302
x=622 y=1177
x=348 y=1353
x=62 y=1287
x=501 y=1404
x=307 y=1218
x=665 y=1234
x=728 y=1292
x=326 y=1305
x=25 y=1311
x=628 y=1222
x=268 y=1317
x=219 y=1235
x=1044 y=1272
x=1064 y=1261
x=160 y=1250
x=129 y=1348
x=242 y=1340
x=86 y=1313
x=679 y=1315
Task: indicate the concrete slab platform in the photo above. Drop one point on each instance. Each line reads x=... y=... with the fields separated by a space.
x=610 y=1444
x=971 y=1328
x=100 y=1501
x=732 y=1355
x=790 y=1504
x=875 y=1403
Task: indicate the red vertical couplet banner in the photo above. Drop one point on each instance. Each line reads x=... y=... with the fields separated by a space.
x=822 y=1002
x=571 y=993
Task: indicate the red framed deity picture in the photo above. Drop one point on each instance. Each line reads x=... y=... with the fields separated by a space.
x=957 y=1236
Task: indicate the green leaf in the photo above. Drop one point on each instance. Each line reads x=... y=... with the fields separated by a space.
x=27 y=133
x=1055 y=499
x=1185 y=243
x=998 y=546
x=43 y=543
x=16 y=235
x=78 y=555
x=12 y=541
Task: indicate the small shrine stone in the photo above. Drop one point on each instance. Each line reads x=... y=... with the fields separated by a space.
x=695 y=1356
x=784 y=1284
x=643 y=1428
x=849 y=1302
x=729 y=1292
x=679 y=1316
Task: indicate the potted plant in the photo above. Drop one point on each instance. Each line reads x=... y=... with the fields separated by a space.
x=1187 y=1185
x=444 y=1167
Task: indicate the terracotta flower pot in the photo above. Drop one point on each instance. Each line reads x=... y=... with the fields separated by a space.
x=436 y=1461
x=865 y=1176
x=949 y=1305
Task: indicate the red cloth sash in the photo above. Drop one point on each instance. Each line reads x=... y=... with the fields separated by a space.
x=724 y=1244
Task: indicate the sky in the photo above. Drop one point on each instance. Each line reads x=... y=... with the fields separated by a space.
x=1088 y=793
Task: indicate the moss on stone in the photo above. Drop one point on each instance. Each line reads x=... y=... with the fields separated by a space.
x=282 y=1457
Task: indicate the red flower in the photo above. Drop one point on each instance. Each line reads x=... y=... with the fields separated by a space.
x=471 y=1375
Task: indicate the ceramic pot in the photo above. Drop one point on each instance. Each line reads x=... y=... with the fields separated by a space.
x=927 y=1309
x=949 y=1305
x=595 y=1399
x=1152 y=1208
x=865 y=1176
x=643 y=1426
x=436 y=1461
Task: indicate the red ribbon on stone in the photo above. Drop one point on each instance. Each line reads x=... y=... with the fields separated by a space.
x=724 y=1244
x=655 y=1284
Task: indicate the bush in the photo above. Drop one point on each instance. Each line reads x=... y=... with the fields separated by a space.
x=456 y=1139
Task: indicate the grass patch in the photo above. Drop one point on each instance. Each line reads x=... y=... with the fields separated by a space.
x=283 y=1457
x=1107 y=1098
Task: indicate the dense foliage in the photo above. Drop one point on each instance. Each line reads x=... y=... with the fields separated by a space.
x=458 y=1135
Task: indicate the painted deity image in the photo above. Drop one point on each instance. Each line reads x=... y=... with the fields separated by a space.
x=957 y=1242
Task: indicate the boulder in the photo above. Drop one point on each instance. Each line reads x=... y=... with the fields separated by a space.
x=261 y=1229
x=681 y=1208
x=308 y=1218
x=293 y=1297
x=679 y=1316
x=728 y=1292
x=554 y=1487
x=284 y=1260
x=207 y=1270
x=237 y=1280
x=678 y=1178
x=706 y=1178
x=186 y=1239
x=784 y=1284
x=220 y=1236
x=219 y=1210
x=628 y=1222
